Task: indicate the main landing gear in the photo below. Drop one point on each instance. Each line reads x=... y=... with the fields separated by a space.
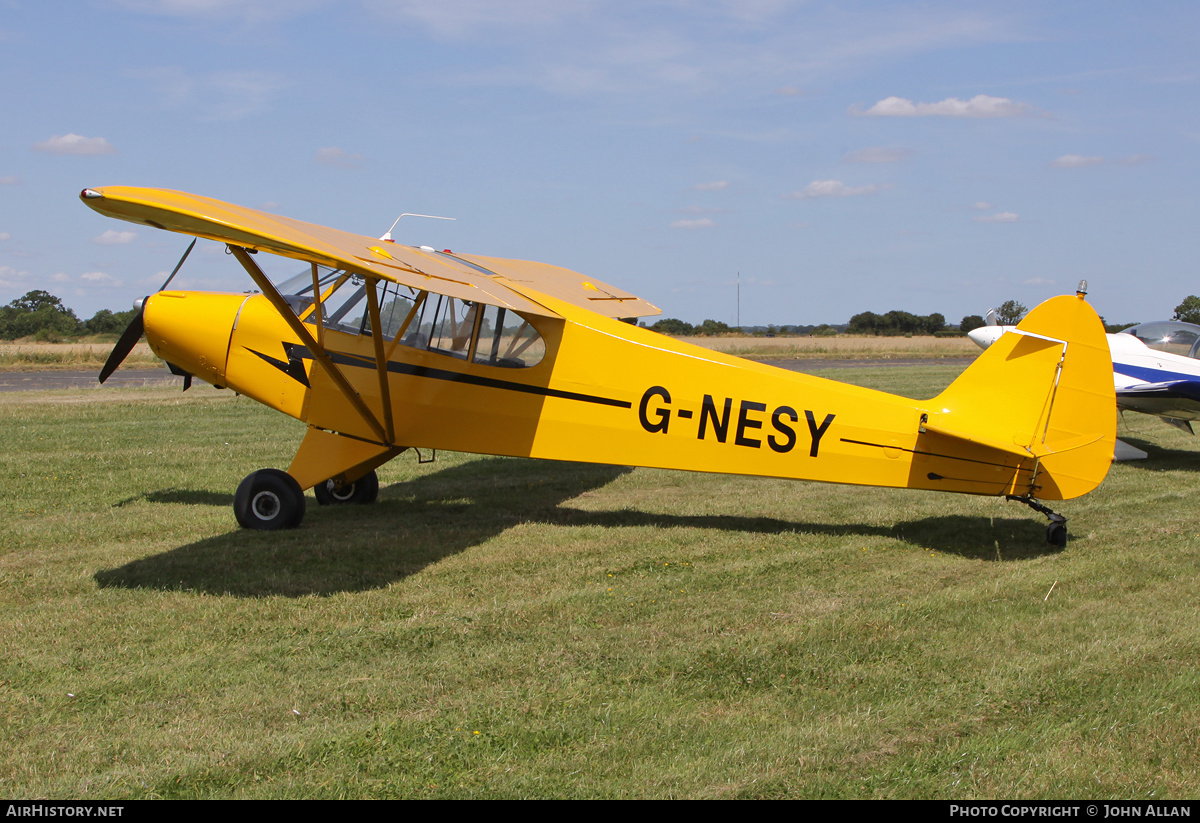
x=362 y=491
x=1056 y=532
x=270 y=499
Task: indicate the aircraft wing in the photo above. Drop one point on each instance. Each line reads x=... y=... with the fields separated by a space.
x=567 y=285
x=441 y=273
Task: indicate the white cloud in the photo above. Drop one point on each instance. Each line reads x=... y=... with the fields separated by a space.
x=222 y=95
x=115 y=238
x=11 y=180
x=789 y=91
x=981 y=205
x=10 y=278
x=99 y=278
x=701 y=210
x=716 y=185
x=1037 y=281
x=702 y=223
x=61 y=277
x=1076 y=161
x=75 y=144
x=998 y=217
x=5 y=235
x=832 y=188
x=246 y=11
x=877 y=154
x=337 y=158
x=981 y=105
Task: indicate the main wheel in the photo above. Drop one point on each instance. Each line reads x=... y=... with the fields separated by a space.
x=362 y=491
x=269 y=499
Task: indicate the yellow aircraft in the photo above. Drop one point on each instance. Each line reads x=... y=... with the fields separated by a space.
x=380 y=347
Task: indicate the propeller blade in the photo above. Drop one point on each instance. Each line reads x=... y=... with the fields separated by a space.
x=129 y=338
x=137 y=326
x=178 y=265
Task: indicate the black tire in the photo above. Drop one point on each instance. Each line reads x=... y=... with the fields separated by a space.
x=268 y=499
x=1056 y=535
x=362 y=491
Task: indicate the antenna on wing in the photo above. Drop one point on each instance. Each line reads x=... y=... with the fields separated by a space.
x=387 y=235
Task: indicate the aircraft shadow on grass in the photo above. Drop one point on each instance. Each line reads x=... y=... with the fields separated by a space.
x=422 y=521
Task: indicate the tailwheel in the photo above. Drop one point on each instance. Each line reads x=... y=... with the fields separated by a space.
x=269 y=499
x=1056 y=532
x=362 y=491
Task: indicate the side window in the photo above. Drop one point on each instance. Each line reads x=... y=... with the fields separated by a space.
x=345 y=309
x=395 y=302
x=508 y=340
x=453 y=323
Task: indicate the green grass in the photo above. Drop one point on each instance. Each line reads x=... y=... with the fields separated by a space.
x=511 y=628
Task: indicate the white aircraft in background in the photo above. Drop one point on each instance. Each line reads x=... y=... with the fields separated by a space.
x=1156 y=370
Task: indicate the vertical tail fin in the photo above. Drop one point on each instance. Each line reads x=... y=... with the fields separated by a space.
x=1045 y=390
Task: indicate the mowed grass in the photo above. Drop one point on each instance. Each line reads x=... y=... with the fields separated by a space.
x=512 y=628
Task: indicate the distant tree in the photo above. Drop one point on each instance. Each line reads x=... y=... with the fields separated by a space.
x=713 y=327
x=867 y=322
x=1113 y=328
x=1010 y=313
x=824 y=330
x=971 y=322
x=107 y=322
x=670 y=325
x=1189 y=310
x=896 y=323
x=37 y=313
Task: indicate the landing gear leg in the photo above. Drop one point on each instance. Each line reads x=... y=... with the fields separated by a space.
x=1056 y=532
x=362 y=491
x=269 y=499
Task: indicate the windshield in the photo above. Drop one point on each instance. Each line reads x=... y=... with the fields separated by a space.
x=1170 y=336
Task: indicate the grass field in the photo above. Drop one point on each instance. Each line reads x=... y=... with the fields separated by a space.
x=86 y=355
x=841 y=348
x=509 y=628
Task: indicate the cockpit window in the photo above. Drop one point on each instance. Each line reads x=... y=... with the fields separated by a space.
x=1170 y=336
x=508 y=340
x=488 y=335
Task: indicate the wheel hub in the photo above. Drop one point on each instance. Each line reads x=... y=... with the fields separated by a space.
x=266 y=505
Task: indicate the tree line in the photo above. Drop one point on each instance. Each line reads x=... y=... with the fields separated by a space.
x=42 y=316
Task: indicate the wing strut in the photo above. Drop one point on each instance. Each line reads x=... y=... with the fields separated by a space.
x=380 y=361
x=319 y=354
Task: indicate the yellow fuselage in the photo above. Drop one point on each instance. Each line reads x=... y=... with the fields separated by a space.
x=608 y=392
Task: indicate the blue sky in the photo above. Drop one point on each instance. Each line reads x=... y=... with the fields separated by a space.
x=843 y=157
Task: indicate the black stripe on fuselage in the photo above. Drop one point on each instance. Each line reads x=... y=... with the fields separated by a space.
x=943 y=456
x=343 y=359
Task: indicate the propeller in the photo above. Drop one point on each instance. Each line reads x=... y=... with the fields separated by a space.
x=137 y=326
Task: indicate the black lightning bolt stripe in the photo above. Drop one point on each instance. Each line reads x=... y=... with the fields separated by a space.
x=293 y=368
x=301 y=352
